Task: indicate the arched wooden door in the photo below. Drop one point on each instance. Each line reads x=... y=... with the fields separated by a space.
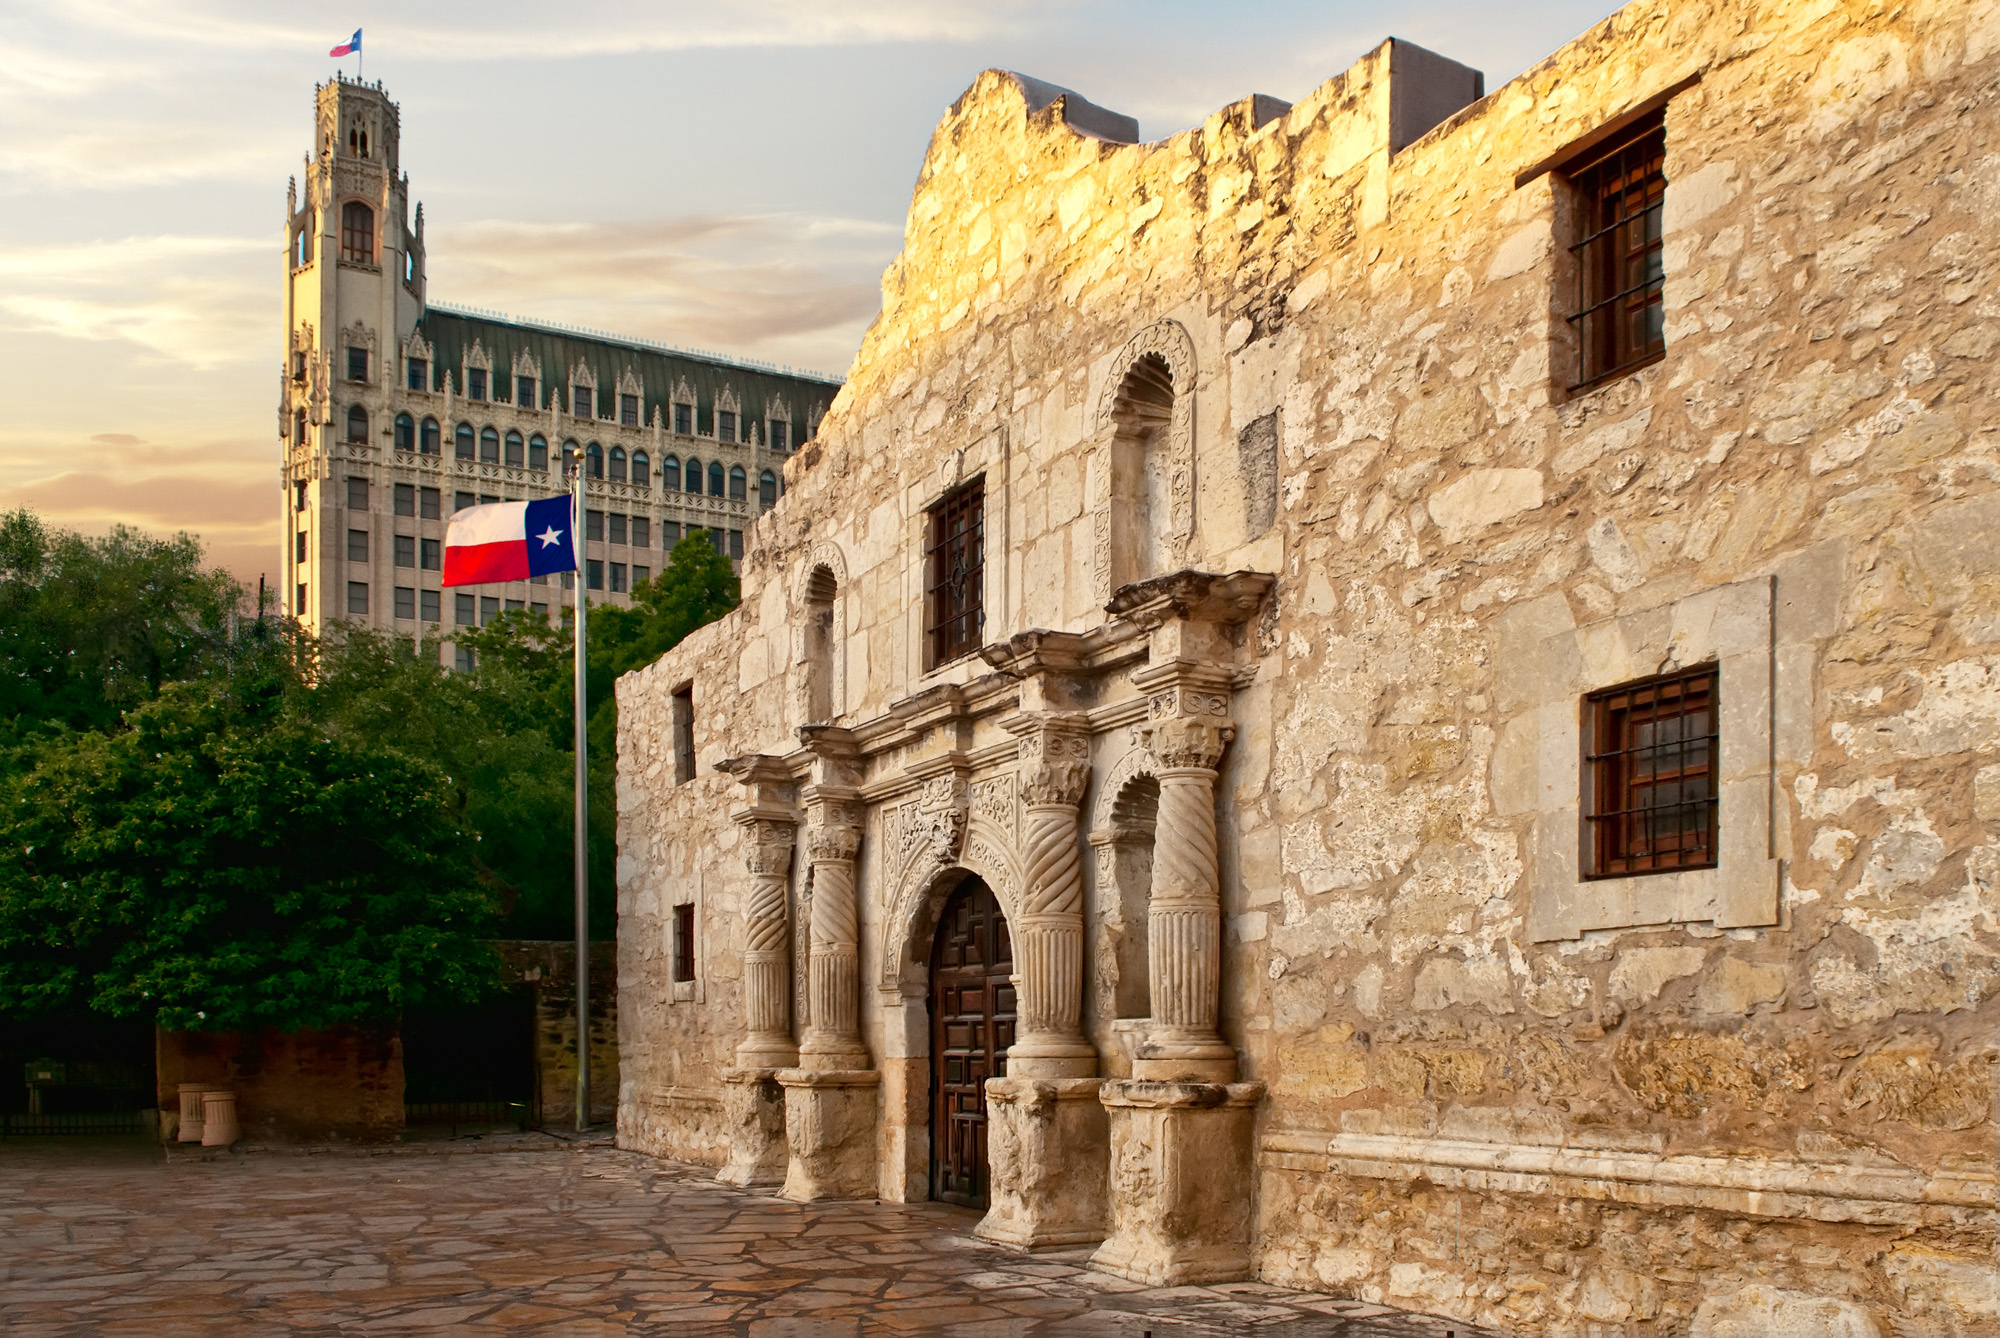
x=972 y=1024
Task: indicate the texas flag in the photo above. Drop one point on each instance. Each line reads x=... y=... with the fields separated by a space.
x=509 y=541
x=349 y=47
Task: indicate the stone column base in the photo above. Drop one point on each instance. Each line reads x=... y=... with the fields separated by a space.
x=831 y=1118
x=1182 y=1178
x=1048 y=1147
x=753 y=1111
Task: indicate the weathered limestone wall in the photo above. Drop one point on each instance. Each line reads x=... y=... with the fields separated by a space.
x=1489 y=1097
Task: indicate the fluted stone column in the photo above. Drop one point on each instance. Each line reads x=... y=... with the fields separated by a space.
x=1047 y=1140
x=753 y=1101
x=832 y=1104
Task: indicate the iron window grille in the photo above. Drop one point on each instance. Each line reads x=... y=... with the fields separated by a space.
x=1620 y=268
x=954 y=574
x=1650 y=799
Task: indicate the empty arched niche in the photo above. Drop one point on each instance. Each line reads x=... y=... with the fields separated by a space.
x=822 y=593
x=1141 y=507
x=1125 y=883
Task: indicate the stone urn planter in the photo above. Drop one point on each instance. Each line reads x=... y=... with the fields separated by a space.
x=191 y=1123
x=218 y=1118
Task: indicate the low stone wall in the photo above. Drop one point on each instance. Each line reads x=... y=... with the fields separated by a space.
x=339 y=1084
x=549 y=966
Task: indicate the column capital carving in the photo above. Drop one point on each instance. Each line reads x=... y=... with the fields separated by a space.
x=1182 y=741
x=833 y=831
x=836 y=754
x=1054 y=755
x=769 y=849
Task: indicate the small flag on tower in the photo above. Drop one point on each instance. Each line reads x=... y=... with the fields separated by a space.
x=349 y=47
x=509 y=541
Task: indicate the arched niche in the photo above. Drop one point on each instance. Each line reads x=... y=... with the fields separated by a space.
x=1143 y=508
x=819 y=656
x=1121 y=834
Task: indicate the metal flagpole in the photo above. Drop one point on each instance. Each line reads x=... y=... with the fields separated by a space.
x=582 y=815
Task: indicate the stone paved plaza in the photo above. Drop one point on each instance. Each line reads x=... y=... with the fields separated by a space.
x=115 y=1238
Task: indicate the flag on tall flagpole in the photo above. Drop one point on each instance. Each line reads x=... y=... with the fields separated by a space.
x=349 y=47
x=509 y=541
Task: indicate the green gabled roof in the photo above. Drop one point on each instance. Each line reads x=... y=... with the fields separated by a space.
x=451 y=331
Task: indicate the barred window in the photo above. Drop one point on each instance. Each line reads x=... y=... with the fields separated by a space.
x=1621 y=188
x=954 y=576
x=684 y=942
x=1650 y=799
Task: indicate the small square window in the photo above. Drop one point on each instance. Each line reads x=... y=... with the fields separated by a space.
x=464 y=609
x=1650 y=798
x=617 y=578
x=616 y=531
x=460 y=501
x=489 y=608
x=357 y=364
x=406 y=499
x=640 y=575
x=357 y=598
x=684 y=942
x=357 y=494
x=475 y=383
x=427 y=503
x=628 y=411
x=406 y=602
x=684 y=419
x=594 y=573
x=431 y=551
x=642 y=532
x=357 y=545
x=406 y=550
x=428 y=600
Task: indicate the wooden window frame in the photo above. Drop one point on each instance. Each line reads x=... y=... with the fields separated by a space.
x=1619 y=252
x=357 y=244
x=1624 y=773
x=684 y=946
x=955 y=574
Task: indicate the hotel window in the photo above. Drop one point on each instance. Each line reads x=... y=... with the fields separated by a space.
x=617 y=527
x=780 y=433
x=684 y=419
x=594 y=573
x=580 y=401
x=461 y=500
x=357 y=494
x=642 y=532
x=767 y=490
x=420 y=374
x=725 y=425
x=299 y=427
x=406 y=499
x=642 y=470
x=639 y=575
x=464 y=610
x=1620 y=189
x=681 y=720
x=537 y=607
x=617 y=578
x=299 y=548
x=513 y=604
x=299 y=495
x=430 y=553
x=670 y=534
x=357 y=233
x=739 y=484
x=427 y=504
x=406 y=550
x=357 y=545
x=487 y=499
x=715 y=484
x=489 y=609
x=628 y=411
x=428 y=599
x=670 y=473
x=299 y=596
x=406 y=432
x=516 y=454
x=475 y=383
x=357 y=598
x=1649 y=792
x=357 y=364
x=720 y=541
x=462 y=439
x=524 y=392
x=593 y=526
x=595 y=455
x=489 y=445
x=736 y=543
x=357 y=425
x=406 y=602
x=465 y=660
x=430 y=439
x=538 y=452
x=684 y=942
x=617 y=464
x=954 y=574
x=693 y=474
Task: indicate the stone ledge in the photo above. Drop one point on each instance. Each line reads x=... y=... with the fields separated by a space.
x=1762 y=1186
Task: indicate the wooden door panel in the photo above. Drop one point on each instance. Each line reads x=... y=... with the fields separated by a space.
x=972 y=1024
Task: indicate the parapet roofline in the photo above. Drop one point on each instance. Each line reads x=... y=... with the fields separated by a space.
x=1078 y=111
x=629 y=342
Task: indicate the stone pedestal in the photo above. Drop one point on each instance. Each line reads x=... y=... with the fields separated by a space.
x=753 y=1109
x=831 y=1120
x=1048 y=1144
x=1183 y=1178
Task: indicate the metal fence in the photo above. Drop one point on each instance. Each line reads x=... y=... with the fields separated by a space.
x=16 y=1124
x=469 y=1115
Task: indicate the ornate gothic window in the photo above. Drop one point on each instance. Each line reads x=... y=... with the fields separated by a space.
x=617 y=464
x=357 y=233
x=595 y=454
x=767 y=490
x=670 y=473
x=642 y=469
x=489 y=445
x=693 y=474
x=406 y=432
x=715 y=481
x=462 y=439
x=515 y=455
x=739 y=484
x=357 y=424
x=684 y=419
x=538 y=452
x=429 y=438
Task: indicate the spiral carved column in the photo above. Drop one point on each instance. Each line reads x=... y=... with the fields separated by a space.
x=1184 y=922
x=1048 y=940
x=833 y=1035
x=767 y=973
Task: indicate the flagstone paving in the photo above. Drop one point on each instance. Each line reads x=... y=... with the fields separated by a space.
x=543 y=1239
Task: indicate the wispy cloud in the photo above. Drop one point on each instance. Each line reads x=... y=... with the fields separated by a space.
x=201 y=301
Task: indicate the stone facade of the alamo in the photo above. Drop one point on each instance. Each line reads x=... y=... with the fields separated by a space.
x=1429 y=660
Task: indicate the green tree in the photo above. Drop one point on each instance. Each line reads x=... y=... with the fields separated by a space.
x=92 y=626
x=223 y=861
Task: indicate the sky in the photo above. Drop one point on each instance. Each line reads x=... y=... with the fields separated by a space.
x=730 y=176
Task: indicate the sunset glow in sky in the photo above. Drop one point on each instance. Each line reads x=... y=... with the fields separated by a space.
x=727 y=176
